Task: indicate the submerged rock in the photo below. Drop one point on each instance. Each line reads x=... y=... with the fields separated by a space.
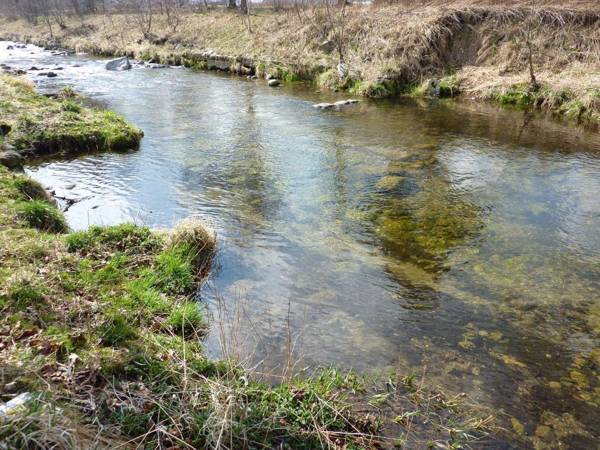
x=274 y=82
x=119 y=64
x=389 y=182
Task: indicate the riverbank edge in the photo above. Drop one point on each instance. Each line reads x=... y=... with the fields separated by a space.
x=35 y=126
x=100 y=346
x=571 y=106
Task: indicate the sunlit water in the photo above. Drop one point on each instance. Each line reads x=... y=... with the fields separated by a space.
x=462 y=243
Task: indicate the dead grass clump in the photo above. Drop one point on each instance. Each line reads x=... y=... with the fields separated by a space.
x=196 y=235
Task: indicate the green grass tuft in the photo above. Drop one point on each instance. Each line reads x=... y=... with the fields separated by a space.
x=117 y=330
x=28 y=189
x=43 y=216
x=24 y=292
x=187 y=318
x=174 y=271
x=71 y=106
x=126 y=237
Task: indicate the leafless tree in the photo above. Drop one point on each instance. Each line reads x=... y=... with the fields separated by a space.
x=532 y=23
x=173 y=10
x=143 y=15
x=336 y=21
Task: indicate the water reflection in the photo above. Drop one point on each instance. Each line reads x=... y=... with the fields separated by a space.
x=456 y=239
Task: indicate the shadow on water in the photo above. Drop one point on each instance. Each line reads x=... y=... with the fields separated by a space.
x=452 y=239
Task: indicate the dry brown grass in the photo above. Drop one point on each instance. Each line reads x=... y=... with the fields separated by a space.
x=397 y=45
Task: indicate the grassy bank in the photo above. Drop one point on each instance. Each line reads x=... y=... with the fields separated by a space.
x=100 y=336
x=34 y=125
x=387 y=50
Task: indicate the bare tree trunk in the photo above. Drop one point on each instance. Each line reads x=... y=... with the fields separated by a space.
x=533 y=83
x=244 y=6
x=231 y=4
x=48 y=20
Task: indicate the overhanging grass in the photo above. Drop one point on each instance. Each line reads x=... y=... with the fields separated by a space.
x=583 y=109
x=49 y=126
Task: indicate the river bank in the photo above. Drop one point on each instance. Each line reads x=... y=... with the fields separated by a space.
x=478 y=53
x=35 y=126
x=100 y=338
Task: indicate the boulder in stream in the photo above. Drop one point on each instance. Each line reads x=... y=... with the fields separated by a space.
x=323 y=105
x=119 y=64
x=274 y=82
x=336 y=104
x=11 y=159
x=345 y=102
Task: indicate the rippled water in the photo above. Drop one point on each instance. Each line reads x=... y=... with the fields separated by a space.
x=460 y=242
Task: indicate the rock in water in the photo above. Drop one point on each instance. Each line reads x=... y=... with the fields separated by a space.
x=345 y=102
x=11 y=159
x=119 y=64
x=274 y=82
x=323 y=105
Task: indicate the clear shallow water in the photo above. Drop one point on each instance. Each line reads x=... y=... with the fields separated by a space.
x=456 y=241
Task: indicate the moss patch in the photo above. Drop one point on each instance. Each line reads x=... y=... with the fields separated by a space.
x=45 y=126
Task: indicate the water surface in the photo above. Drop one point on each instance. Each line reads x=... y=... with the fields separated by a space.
x=456 y=241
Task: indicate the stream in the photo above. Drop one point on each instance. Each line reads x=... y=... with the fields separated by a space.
x=459 y=242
